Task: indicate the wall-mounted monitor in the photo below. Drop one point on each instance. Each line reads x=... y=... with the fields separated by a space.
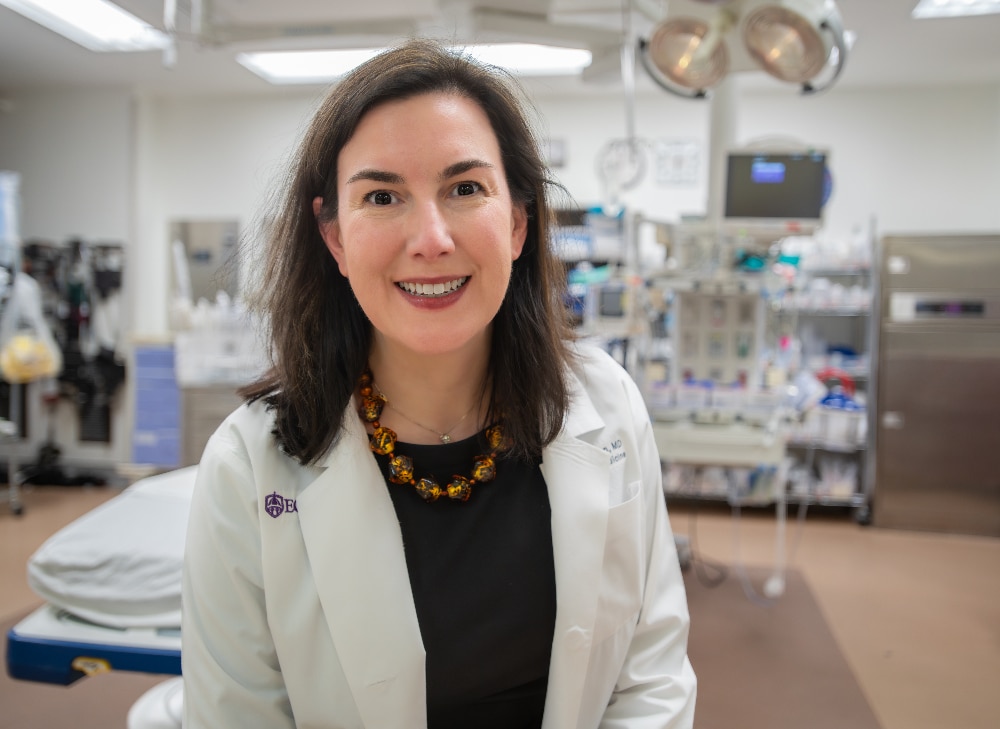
x=780 y=188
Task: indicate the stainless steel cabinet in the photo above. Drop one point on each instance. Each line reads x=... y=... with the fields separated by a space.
x=937 y=463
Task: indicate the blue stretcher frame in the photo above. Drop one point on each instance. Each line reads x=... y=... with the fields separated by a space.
x=53 y=646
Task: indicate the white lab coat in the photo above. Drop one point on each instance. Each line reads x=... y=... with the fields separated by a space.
x=297 y=606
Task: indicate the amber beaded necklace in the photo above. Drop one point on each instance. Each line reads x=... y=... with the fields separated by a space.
x=383 y=442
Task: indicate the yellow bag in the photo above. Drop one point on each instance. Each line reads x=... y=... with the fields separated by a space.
x=25 y=358
x=28 y=351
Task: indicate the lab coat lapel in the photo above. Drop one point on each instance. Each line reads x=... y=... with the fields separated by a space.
x=355 y=548
x=577 y=476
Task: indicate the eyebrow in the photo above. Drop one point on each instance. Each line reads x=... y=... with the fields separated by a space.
x=392 y=178
x=462 y=167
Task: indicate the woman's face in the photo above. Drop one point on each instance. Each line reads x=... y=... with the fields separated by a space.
x=426 y=230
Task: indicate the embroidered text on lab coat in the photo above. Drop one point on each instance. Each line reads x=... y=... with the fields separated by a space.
x=615 y=451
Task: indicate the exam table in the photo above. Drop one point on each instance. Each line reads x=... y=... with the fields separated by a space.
x=111 y=580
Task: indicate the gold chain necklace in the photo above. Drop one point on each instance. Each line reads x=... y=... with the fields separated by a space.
x=383 y=442
x=444 y=437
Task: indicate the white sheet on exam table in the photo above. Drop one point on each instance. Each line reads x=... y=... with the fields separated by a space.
x=120 y=564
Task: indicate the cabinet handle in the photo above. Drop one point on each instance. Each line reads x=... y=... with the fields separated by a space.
x=893 y=420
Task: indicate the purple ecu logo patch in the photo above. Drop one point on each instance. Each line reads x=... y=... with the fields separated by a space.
x=275 y=505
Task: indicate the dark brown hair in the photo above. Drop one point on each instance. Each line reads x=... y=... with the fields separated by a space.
x=320 y=337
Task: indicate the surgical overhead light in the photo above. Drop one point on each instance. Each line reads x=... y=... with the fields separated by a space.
x=688 y=54
x=794 y=41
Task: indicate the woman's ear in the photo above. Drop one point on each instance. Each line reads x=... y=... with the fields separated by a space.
x=518 y=231
x=330 y=231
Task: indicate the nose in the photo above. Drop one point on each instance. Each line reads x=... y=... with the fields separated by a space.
x=429 y=233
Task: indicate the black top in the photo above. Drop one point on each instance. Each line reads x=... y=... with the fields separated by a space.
x=483 y=584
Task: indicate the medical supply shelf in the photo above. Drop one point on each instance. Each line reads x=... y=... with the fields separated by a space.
x=705 y=339
x=844 y=320
x=717 y=440
x=734 y=444
x=745 y=458
x=748 y=460
x=840 y=316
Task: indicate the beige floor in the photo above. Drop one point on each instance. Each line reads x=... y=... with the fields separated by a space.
x=916 y=615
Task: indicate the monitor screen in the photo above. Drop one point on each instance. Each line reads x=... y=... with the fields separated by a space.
x=776 y=186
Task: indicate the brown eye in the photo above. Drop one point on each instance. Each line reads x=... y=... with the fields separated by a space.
x=466 y=188
x=381 y=197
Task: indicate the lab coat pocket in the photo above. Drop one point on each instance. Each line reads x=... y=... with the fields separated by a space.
x=624 y=564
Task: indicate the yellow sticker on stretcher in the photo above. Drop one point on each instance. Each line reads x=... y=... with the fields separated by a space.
x=91 y=666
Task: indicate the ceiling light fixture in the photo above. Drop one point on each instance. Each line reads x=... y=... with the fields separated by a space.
x=954 y=8
x=311 y=67
x=304 y=67
x=531 y=59
x=796 y=41
x=97 y=25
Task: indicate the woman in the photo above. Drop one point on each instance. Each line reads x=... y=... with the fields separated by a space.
x=434 y=509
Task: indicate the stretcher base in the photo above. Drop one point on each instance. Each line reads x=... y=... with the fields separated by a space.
x=54 y=646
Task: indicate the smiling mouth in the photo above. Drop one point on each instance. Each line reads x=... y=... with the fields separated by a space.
x=433 y=290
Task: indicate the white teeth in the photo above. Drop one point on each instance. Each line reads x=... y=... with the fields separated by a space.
x=438 y=289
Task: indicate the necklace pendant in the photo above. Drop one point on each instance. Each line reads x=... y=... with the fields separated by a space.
x=445 y=438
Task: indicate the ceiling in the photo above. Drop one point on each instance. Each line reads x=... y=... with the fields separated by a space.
x=891 y=49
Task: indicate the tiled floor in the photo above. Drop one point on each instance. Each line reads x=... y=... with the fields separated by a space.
x=917 y=615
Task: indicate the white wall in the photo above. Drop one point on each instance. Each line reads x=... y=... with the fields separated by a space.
x=74 y=152
x=586 y=125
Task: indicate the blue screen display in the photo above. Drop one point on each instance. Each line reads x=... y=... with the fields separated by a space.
x=767 y=173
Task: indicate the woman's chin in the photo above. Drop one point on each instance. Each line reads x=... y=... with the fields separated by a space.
x=439 y=342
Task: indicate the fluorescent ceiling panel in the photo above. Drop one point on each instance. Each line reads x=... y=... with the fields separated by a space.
x=954 y=8
x=530 y=59
x=297 y=67
x=97 y=25
x=304 y=67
